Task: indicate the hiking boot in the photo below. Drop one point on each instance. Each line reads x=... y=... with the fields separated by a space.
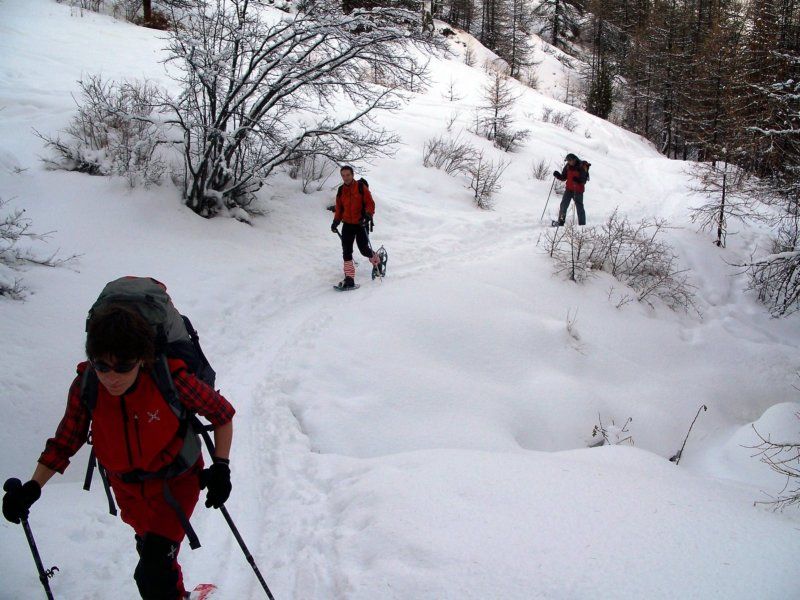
x=347 y=283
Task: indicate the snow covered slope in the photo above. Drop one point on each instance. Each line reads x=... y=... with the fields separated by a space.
x=425 y=436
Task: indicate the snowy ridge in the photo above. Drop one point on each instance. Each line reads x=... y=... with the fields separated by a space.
x=425 y=436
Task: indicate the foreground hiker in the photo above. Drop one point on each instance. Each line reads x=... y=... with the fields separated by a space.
x=355 y=210
x=153 y=464
x=575 y=174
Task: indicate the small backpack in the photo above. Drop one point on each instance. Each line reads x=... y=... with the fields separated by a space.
x=175 y=338
x=585 y=166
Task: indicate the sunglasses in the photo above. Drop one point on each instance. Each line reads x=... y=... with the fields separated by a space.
x=124 y=367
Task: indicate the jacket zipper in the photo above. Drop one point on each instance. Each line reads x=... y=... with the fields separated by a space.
x=125 y=429
x=138 y=435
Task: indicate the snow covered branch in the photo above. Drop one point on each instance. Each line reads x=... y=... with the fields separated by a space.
x=15 y=228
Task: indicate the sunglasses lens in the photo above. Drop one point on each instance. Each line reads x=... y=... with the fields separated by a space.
x=100 y=366
x=103 y=367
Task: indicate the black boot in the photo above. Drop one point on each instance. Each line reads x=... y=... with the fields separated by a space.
x=347 y=283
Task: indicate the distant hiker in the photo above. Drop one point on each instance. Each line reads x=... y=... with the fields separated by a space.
x=355 y=210
x=576 y=174
x=142 y=440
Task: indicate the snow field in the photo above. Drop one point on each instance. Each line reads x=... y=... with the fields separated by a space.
x=425 y=436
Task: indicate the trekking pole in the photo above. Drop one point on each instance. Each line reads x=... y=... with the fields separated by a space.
x=552 y=185
x=246 y=552
x=336 y=231
x=198 y=426
x=43 y=575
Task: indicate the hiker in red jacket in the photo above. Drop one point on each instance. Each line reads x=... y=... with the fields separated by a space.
x=137 y=438
x=576 y=174
x=355 y=209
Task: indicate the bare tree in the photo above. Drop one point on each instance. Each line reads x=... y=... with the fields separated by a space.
x=451 y=94
x=495 y=117
x=258 y=92
x=729 y=195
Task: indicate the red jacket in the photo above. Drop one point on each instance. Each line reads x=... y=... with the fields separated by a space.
x=137 y=430
x=351 y=205
x=575 y=178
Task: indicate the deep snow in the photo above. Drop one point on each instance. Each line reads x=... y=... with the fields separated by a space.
x=425 y=436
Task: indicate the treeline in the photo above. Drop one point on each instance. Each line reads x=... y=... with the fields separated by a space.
x=702 y=79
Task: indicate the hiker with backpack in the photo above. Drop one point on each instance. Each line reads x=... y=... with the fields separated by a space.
x=575 y=174
x=135 y=401
x=355 y=210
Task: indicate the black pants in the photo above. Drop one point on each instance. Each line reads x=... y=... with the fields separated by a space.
x=565 y=200
x=157 y=574
x=358 y=234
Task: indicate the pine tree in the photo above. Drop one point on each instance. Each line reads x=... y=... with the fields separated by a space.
x=711 y=117
x=514 y=43
x=560 y=20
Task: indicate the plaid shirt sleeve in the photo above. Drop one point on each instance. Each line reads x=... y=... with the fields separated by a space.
x=202 y=399
x=71 y=433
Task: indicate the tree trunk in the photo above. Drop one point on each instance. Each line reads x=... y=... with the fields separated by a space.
x=147 y=6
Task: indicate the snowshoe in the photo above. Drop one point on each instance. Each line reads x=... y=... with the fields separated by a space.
x=556 y=224
x=346 y=284
x=379 y=270
x=204 y=591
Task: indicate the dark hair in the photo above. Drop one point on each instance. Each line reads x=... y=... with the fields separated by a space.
x=347 y=168
x=121 y=332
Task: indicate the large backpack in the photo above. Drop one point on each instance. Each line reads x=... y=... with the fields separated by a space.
x=175 y=338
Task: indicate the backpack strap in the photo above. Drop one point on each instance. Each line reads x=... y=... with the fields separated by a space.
x=89 y=383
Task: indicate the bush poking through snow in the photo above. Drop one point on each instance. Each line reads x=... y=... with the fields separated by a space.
x=455 y=156
x=452 y=155
x=631 y=252
x=565 y=119
x=485 y=177
x=784 y=458
x=113 y=133
x=540 y=169
x=14 y=229
x=776 y=277
x=610 y=435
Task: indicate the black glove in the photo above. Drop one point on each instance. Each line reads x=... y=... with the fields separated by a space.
x=217 y=478
x=335 y=225
x=19 y=498
x=556 y=174
x=366 y=221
